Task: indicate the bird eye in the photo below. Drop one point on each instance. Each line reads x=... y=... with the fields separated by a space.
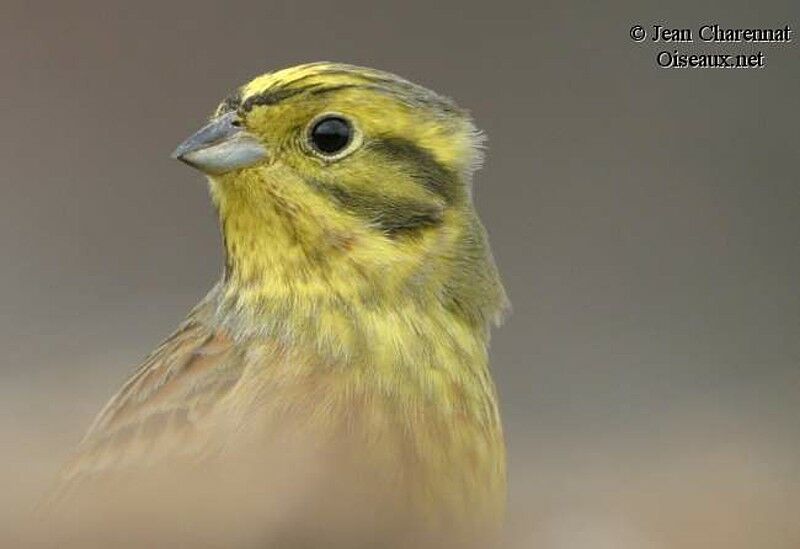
x=331 y=135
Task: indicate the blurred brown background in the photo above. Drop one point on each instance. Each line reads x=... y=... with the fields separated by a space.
x=645 y=221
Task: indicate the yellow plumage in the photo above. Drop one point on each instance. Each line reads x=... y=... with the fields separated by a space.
x=355 y=304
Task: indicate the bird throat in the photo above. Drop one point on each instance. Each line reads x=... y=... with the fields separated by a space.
x=294 y=261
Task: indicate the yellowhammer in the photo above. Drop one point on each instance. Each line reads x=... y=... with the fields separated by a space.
x=354 y=308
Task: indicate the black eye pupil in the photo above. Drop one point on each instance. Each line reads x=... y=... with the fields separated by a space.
x=331 y=135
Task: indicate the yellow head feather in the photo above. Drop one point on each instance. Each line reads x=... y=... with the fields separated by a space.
x=388 y=218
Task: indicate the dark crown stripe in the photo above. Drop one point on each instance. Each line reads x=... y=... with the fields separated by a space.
x=230 y=103
x=274 y=96
x=340 y=70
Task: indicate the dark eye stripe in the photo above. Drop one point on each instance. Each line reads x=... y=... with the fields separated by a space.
x=403 y=216
x=423 y=166
x=394 y=218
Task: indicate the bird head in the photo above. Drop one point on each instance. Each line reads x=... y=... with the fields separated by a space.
x=329 y=171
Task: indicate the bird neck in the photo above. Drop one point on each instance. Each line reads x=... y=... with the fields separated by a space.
x=396 y=329
x=294 y=261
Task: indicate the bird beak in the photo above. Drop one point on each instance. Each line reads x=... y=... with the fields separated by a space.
x=221 y=146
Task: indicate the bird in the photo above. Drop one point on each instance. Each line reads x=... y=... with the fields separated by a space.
x=354 y=309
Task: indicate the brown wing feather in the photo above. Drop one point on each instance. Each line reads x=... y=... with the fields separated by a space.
x=160 y=410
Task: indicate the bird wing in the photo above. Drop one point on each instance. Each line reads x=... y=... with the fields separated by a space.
x=162 y=410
